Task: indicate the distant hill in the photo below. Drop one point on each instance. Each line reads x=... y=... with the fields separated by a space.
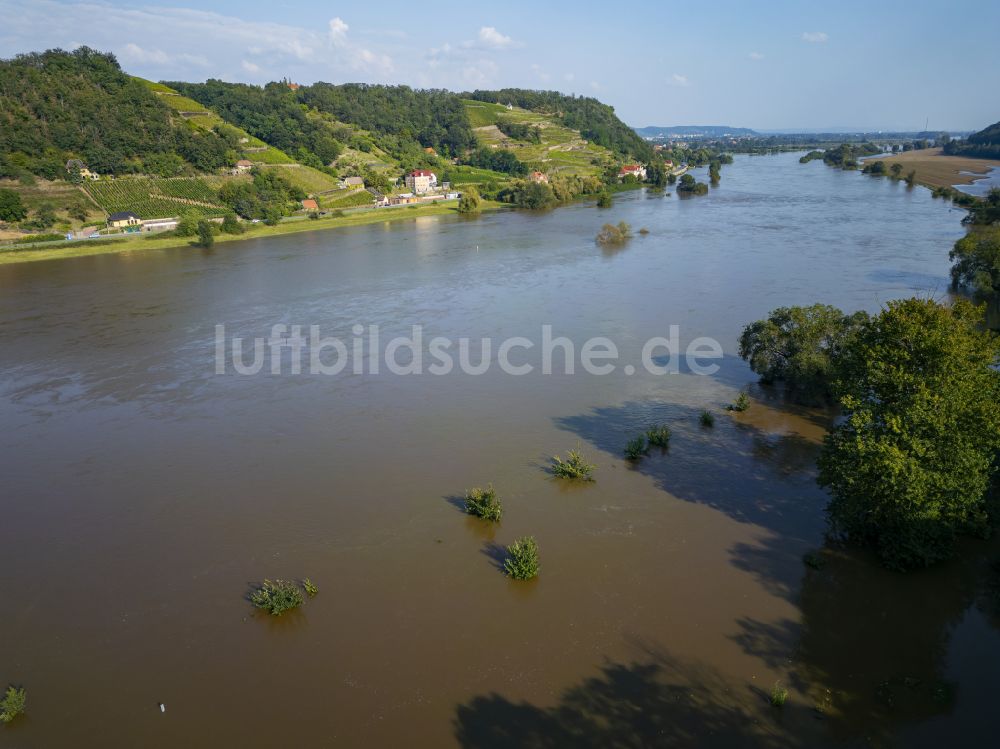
x=693 y=131
x=985 y=144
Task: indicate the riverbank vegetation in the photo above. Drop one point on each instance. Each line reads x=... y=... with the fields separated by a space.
x=659 y=436
x=687 y=185
x=909 y=464
x=797 y=346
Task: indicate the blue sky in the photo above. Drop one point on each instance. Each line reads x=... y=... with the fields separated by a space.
x=888 y=65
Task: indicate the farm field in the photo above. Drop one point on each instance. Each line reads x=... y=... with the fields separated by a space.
x=156 y=198
x=561 y=150
x=60 y=195
x=305 y=177
x=347 y=199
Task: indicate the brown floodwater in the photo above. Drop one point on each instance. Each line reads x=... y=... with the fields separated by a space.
x=142 y=494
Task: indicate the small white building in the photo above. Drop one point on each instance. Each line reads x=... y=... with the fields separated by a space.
x=243 y=166
x=421 y=181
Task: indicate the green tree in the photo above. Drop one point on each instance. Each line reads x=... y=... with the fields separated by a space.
x=605 y=200
x=231 y=225
x=797 y=346
x=896 y=170
x=976 y=260
x=470 y=202
x=187 y=226
x=206 y=237
x=11 y=207
x=909 y=465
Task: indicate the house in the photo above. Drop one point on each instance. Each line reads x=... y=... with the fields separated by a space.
x=354 y=183
x=539 y=177
x=77 y=166
x=636 y=170
x=310 y=205
x=159 y=224
x=243 y=166
x=421 y=180
x=123 y=219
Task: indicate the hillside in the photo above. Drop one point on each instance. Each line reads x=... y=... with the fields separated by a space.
x=538 y=140
x=59 y=105
x=596 y=122
x=984 y=145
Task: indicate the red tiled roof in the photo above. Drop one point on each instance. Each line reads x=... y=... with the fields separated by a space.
x=631 y=168
x=309 y=203
x=421 y=173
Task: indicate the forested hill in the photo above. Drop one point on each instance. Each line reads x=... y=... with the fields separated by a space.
x=57 y=105
x=595 y=121
x=318 y=121
x=984 y=144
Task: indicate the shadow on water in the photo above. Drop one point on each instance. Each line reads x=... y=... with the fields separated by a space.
x=754 y=474
x=872 y=647
x=660 y=702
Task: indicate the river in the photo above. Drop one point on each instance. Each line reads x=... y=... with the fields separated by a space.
x=143 y=493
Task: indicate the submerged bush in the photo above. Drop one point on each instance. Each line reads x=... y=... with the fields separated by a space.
x=12 y=704
x=742 y=403
x=779 y=695
x=522 y=559
x=574 y=467
x=635 y=448
x=611 y=234
x=483 y=503
x=658 y=436
x=277 y=597
x=707 y=419
x=309 y=587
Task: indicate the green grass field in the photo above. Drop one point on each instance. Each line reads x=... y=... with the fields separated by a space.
x=305 y=177
x=346 y=199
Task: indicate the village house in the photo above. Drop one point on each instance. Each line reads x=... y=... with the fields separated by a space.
x=75 y=165
x=421 y=181
x=636 y=170
x=243 y=166
x=354 y=183
x=123 y=219
x=310 y=205
x=540 y=177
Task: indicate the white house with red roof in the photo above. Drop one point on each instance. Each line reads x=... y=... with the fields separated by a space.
x=636 y=170
x=421 y=181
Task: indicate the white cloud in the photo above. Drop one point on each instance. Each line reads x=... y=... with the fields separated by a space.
x=134 y=53
x=250 y=67
x=490 y=37
x=679 y=80
x=756 y=56
x=815 y=37
x=540 y=72
x=338 y=29
x=180 y=50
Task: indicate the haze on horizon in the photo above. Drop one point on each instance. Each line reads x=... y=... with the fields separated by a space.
x=895 y=66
